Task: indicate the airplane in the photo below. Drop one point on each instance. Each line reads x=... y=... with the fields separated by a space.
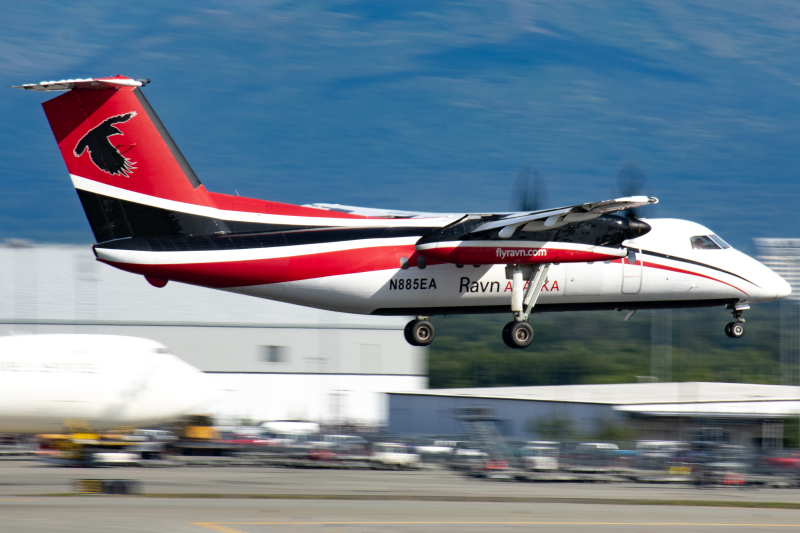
x=151 y=216
x=102 y=382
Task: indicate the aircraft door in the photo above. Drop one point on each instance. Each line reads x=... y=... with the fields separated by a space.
x=632 y=272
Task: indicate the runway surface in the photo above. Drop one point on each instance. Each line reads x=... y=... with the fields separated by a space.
x=132 y=514
x=259 y=500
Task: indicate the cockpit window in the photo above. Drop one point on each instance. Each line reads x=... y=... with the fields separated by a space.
x=708 y=242
x=720 y=241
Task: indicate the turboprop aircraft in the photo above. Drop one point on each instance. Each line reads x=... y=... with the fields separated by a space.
x=151 y=216
x=48 y=382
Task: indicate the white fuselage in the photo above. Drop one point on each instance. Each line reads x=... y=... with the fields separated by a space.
x=667 y=272
x=97 y=381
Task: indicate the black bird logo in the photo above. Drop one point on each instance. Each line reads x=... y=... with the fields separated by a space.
x=105 y=155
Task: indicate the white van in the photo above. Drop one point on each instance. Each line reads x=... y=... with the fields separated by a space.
x=540 y=456
x=394 y=454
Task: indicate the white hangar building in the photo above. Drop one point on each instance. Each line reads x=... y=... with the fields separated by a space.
x=746 y=413
x=273 y=361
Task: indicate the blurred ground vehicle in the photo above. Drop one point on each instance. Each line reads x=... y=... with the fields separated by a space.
x=782 y=463
x=540 y=456
x=432 y=450
x=593 y=457
x=197 y=436
x=83 y=447
x=395 y=455
x=325 y=446
x=290 y=427
x=466 y=456
x=657 y=454
x=150 y=443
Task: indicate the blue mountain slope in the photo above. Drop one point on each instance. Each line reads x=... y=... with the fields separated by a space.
x=429 y=105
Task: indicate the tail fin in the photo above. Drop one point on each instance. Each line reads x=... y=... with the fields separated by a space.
x=128 y=171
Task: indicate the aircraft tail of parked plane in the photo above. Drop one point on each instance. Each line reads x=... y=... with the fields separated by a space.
x=151 y=216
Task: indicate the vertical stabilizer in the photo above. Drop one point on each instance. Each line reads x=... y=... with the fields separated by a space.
x=128 y=171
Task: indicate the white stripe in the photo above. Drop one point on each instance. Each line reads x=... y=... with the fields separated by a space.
x=138 y=257
x=549 y=245
x=241 y=216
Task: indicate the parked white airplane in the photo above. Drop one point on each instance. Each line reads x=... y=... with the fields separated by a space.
x=151 y=216
x=99 y=381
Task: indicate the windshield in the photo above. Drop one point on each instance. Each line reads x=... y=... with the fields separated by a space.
x=708 y=242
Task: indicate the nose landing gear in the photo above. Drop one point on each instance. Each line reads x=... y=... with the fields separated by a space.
x=735 y=330
x=420 y=332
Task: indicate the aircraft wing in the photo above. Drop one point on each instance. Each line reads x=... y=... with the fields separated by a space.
x=560 y=216
x=383 y=213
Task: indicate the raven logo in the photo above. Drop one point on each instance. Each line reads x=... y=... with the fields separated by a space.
x=105 y=155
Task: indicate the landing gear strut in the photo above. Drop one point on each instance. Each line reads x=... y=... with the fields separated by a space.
x=420 y=332
x=735 y=330
x=519 y=333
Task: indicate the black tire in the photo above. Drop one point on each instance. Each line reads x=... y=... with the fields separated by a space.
x=408 y=334
x=737 y=330
x=728 y=329
x=420 y=333
x=507 y=336
x=518 y=335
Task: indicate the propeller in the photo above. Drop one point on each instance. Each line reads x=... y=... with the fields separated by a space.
x=631 y=181
x=530 y=191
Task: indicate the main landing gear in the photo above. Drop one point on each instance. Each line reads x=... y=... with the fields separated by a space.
x=420 y=332
x=519 y=333
x=735 y=330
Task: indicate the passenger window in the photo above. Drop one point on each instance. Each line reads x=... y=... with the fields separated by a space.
x=704 y=242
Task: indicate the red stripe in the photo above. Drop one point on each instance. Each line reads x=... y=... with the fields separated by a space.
x=502 y=255
x=673 y=269
x=276 y=270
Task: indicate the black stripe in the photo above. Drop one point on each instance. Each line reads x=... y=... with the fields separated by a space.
x=166 y=230
x=259 y=240
x=112 y=218
x=176 y=152
x=698 y=263
x=551 y=308
x=106 y=216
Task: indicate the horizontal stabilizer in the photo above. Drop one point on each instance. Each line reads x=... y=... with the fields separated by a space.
x=86 y=83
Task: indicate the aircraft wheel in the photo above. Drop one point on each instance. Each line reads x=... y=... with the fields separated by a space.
x=735 y=330
x=518 y=335
x=419 y=333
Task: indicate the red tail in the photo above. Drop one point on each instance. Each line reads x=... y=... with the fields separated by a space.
x=133 y=180
x=108 y=134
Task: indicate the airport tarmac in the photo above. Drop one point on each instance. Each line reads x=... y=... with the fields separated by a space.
x=37 y=497
x=30 y=477
x=131 y=514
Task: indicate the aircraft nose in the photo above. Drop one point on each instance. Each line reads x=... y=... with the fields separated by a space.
x=784 y=289
x=198 y=390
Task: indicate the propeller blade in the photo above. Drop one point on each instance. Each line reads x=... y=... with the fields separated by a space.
x=540 y=198
x=631 y=181
x=519 y=199
x=530 y=191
